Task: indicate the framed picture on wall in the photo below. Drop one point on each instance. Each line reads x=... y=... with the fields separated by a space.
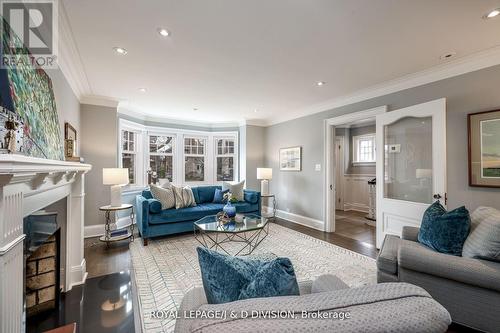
x=484 y=148
x=291 y=159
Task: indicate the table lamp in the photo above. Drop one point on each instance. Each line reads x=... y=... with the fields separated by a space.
x=116 y=177
x=264 y=174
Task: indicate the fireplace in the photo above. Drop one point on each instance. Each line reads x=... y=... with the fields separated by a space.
x=28 y=185
x=42 y=249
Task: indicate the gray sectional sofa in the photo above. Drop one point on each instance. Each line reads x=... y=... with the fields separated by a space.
x=468 y=288
x=370 y=308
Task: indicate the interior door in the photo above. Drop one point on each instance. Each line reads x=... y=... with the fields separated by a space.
x=339 y=172
x=411 y=165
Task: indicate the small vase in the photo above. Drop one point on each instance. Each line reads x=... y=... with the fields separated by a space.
x=229 y=209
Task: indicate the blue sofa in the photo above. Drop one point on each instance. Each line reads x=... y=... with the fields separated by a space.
x=152 y=221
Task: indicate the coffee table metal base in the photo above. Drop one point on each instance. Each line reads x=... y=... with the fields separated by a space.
x=219 y=240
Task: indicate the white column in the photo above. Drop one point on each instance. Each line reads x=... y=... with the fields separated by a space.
x=76 y=271
x=11 y=258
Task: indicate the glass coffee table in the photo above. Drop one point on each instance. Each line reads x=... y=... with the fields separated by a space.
x=239 y=237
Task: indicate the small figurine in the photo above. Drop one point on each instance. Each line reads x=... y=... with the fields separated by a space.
x=10 y=138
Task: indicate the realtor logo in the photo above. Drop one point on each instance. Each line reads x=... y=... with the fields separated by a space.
x=32 y=36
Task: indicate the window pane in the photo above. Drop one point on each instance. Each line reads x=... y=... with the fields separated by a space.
x=194 y=169
x=163 y=165
x=161 y=144
x=408 y=160
x=225 y=169
x=128 y=161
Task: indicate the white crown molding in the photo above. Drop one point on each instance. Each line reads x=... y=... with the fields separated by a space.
x=69 y=60
x=156 y=119
x=99 y=100
x=471 y=63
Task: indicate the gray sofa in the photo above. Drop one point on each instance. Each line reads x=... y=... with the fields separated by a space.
x=388 y=307
x=468 y=288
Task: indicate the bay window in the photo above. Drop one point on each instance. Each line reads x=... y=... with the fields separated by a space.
x=183 y=156
x=224 y=159
x=194 y=159
x=161 y=156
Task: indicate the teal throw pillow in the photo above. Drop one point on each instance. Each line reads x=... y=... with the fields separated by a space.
x=444 y=231
x=227 y=278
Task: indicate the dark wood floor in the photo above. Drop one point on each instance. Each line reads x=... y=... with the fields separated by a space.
x=351 y=233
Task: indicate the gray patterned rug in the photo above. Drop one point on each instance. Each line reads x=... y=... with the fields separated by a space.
x=168 y=267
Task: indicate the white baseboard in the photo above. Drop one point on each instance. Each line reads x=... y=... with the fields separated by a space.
x=299 y=219
x=357 y=207
x=98 y=229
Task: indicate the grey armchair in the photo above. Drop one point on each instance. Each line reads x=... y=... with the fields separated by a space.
x=468 y=288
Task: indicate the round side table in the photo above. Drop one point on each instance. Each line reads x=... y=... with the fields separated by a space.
x=121 y=233
x=273 y=215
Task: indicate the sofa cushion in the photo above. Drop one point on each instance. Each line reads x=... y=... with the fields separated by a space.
x=165 y=195
x=387 y=259
x=219 y=196
x=245 y=207
x=475 y=272
x=444 y=231
x=206 y=193
x=185 y=214
x=184 y=197
x=227 y=278
x=251 y=197
x=154 y=206
x=236 y=189
x=147 y=194
x=484 y=241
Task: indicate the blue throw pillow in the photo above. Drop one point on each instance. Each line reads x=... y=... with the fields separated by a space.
x=445 y=231
x=154 y=206
x=219 y=196
x=228 y=279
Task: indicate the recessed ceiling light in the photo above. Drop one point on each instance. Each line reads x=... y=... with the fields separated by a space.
x=142 y=90
x=163 y=32
x=448 y=55
x=492 y=14
x=120 y=50
x=255 y=110
x=320 y=83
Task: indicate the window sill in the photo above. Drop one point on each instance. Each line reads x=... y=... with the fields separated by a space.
x=364 y=163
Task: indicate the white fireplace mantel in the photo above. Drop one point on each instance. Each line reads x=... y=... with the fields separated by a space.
x=29 y=184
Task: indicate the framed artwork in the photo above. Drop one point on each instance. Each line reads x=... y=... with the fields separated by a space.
x=291 y=159
x=69 y=132
x=484 y=148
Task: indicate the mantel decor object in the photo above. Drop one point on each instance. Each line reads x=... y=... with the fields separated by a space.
x=484 y=149
x=11 y=133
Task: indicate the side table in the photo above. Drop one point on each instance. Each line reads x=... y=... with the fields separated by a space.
x=273 y=215
x=107 y=237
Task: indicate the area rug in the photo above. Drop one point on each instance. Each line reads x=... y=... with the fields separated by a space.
x=168 y=267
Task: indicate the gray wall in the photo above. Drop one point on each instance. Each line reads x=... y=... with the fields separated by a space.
x=99 y=127
x=68 y=106
x=302 y=192
x=255 y=138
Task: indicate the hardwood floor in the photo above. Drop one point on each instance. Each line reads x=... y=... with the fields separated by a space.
x=351 y=233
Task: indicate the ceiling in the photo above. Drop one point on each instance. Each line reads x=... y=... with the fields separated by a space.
x=228 y=58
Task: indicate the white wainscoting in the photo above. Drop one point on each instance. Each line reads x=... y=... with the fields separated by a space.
x=356 y=192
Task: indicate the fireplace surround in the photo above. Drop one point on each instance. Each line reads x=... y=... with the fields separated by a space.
x=27 y=185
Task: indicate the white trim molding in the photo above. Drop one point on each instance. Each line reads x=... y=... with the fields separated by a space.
x=295 y=218
x=329 y=156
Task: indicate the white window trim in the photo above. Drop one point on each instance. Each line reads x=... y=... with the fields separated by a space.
x=355 y=153
x=142 y=153
x=175 y=176
x=138 y=147
x=235 y=156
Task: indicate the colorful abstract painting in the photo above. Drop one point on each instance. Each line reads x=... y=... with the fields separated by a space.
x=27 y=90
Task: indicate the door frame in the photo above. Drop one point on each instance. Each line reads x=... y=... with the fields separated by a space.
x=439 y=179
x=329 y=155
x=339 y=187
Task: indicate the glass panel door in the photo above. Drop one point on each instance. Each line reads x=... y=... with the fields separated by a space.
x=408 y=160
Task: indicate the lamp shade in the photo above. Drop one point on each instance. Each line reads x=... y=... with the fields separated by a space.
x=115 y=176
x=264 y=173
